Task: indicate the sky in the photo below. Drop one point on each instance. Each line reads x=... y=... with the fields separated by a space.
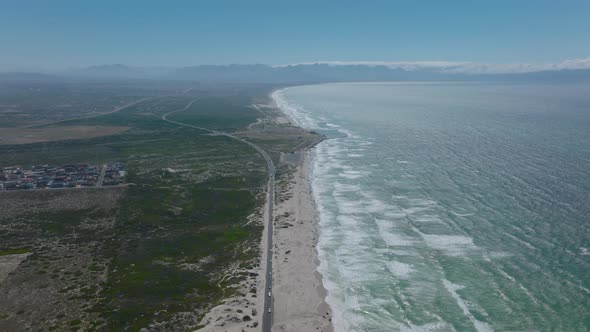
x=51 y=34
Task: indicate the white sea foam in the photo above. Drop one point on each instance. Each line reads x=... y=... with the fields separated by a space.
x=464 y=305
x=352 y=175
x=296 y=114
x=385 y=236
x=397 y=240
x=428 y=327
x=395 y=201
x=399 y=269
x=357 y=262
x=345 y=187
x=450 y=244
x=348 y=207
x=428 y=219
x=390 y=235
x=463 y=214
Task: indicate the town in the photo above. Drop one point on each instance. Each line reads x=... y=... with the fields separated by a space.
x=65 y=176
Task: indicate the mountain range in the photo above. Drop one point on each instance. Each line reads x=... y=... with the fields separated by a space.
x=321 y=72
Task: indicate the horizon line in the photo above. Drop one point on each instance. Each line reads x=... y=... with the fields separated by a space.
x=443 y=66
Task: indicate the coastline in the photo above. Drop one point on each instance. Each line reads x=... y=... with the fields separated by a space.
x=299 y=294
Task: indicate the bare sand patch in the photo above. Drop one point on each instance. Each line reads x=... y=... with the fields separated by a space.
x=35 y=135
x=299 y=294
x=243 y=311
x=9 y=263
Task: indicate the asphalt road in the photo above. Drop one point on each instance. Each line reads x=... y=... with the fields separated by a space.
x=103 y=170
x=268 y=309
x=115 y=110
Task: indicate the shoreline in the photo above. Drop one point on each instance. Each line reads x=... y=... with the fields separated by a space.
x=299 y=293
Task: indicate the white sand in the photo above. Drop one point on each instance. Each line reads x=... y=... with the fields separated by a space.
x=298 y=292
x=9 y=263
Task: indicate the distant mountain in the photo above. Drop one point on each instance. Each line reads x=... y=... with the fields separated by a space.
x=25 y=77
x=118 y=71
x=309 y=73
x=232 y=73
x=563 y=75
x=320 y=72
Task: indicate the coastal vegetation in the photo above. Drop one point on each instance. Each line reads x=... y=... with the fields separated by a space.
x=150 y=254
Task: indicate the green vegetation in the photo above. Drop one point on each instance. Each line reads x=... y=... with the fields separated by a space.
x=13 y=251
x=221 y=113
x=33 y=103
x=168 y=239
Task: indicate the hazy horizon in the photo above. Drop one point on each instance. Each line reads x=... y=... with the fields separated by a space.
x=450 y=66
x=64 y=34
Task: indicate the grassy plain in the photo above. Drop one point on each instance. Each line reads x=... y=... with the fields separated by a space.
x=10 y=136
x=30 y=103
x=150 y=255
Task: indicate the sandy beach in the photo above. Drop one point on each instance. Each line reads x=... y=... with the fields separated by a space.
x=299 y=295
x=298 y=292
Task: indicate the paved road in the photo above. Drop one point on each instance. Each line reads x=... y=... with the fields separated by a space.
x=100 y=180
x=267 y=314
x=115 y=110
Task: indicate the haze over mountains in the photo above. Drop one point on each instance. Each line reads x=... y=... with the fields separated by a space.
x=570 y=70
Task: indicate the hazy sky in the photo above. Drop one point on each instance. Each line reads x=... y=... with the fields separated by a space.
x=56 y=33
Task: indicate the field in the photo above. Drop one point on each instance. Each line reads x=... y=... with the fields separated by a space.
x=24 y=103
x=159 y=253
x=151 y=254
x=11 y=136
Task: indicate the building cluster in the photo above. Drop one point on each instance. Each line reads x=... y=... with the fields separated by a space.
x=114 y=174
x=64 y=176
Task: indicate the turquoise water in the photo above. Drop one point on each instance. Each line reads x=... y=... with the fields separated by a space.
x=448 y=207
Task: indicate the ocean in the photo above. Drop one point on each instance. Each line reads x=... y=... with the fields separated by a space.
x=451 y=206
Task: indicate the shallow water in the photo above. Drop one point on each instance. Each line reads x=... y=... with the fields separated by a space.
x=450 y=206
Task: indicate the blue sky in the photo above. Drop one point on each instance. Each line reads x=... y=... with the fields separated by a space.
x=58 y=33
